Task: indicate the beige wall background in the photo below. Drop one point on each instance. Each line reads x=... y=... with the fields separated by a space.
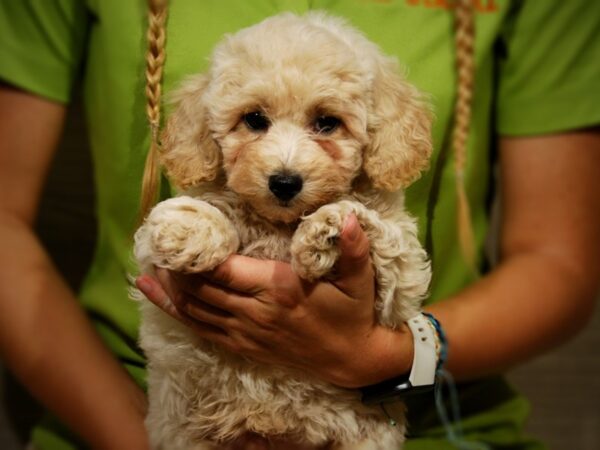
x=563 y=385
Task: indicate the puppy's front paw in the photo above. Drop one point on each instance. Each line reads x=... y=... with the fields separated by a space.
x=315 y=247
x=185 y=234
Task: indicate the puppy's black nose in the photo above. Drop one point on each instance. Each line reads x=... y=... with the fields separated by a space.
x=285 y=186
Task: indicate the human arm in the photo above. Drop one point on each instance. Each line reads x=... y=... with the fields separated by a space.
x=45 y=337
x=542 y=291
x=544 y=287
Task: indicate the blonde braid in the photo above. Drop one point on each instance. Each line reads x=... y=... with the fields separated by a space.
x=464 y=40
x=155 y=59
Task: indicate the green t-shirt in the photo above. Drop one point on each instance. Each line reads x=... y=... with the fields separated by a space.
x=534 y=74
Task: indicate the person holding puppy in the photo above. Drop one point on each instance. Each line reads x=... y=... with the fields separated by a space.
x=529 y=72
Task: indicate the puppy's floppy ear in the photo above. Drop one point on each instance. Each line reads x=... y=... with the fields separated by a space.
x=189 y=153
x=400 y=131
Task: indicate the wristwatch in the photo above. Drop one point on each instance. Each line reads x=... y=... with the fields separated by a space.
x=422 y=374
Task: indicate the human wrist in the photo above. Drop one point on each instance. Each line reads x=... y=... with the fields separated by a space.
x=384 y=354
x=429 y=354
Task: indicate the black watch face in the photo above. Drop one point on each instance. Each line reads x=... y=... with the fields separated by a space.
x=386 y=393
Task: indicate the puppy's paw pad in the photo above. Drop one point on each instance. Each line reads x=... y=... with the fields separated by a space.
x=315 y=244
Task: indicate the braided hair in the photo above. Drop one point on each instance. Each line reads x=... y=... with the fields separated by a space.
x=155 y=61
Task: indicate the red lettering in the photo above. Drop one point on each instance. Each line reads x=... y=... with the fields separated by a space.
x=481 y=6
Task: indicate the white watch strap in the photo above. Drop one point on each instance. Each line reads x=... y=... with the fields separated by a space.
x=425 y=354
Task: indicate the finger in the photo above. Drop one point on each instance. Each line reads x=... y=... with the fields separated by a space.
x=206 y=313
x=198 y=290
x=356 y=277
x=247 y=275
x=216 y=305
x=184 y=309
x=167 y=284
x=154 y=292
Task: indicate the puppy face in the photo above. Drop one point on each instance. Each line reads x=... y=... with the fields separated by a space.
x=291 y=130
x=291 y=111
x=286 y=166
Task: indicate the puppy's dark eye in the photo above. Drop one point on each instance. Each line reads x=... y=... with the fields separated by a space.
x=326 y=124
x=256 y=121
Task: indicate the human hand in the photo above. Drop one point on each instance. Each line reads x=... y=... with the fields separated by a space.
x=261 y=309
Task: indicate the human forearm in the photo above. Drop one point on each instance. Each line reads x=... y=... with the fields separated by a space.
x=528 y=304
x=48 y=342
x=44 y=335
x=544 y=289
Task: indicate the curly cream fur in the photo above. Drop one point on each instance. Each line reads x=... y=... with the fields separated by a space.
x=292 y=69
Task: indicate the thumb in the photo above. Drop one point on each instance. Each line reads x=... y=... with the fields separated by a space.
x=156 y=293
x=355 y=271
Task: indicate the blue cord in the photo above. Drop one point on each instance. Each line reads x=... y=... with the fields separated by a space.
x=453 y=427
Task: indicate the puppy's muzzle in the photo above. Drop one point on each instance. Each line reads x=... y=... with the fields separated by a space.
x=285 y=186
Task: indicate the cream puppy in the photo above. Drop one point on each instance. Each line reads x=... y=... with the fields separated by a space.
x=299 y=122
